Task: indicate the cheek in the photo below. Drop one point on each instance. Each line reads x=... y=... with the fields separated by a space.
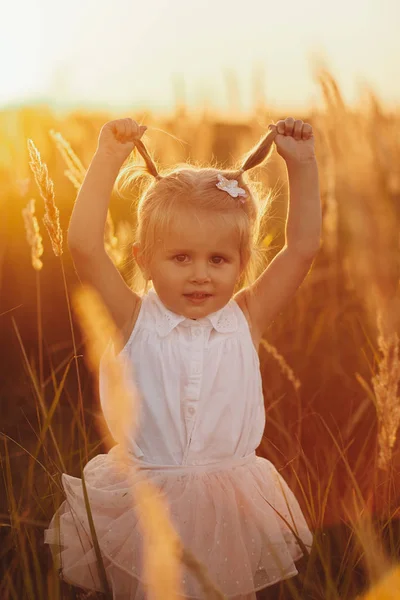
x=171 y=271
x=234 y=269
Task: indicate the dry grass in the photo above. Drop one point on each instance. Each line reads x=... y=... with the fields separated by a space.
x=330 y=363
x=46 y=188
x=33 y=236
x=387 y=394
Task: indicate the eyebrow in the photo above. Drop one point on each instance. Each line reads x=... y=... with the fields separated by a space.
x=177 y=250
x=173 y=250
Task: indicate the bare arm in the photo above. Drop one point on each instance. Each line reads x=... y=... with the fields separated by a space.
x=276 y=286
x=86 y=241
x=304 y=221
x=86 y=227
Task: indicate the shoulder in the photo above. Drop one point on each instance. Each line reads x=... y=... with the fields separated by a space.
x=240 y=300
x=145 y=312
x=127 y=329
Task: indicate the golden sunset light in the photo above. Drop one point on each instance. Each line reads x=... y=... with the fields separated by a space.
x=135 y=54
x=200 y=300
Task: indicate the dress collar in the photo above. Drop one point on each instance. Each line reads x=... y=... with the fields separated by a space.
x=223 y=320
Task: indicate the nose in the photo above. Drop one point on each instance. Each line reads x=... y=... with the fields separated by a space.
x=200 y=273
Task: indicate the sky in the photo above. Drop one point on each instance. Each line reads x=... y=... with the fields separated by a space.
x=125 y=53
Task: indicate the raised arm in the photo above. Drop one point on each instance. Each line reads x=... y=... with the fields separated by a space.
x=275 y=287
x=86 y=228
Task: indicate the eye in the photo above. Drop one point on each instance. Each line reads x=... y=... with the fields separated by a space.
x=179 y=256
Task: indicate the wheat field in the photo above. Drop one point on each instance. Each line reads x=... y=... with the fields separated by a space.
x=330 y=361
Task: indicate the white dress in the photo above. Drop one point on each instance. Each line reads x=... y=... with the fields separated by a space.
x=201 y=419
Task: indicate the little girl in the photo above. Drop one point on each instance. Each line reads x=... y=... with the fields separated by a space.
x=192 y=340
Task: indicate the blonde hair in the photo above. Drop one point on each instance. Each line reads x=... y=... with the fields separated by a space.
x=192 y=186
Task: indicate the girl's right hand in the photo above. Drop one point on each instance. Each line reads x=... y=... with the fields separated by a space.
x=116 y=138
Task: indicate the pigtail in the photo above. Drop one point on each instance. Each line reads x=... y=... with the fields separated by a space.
x=156 y=207
x=261 y=152
x=151 y=167
x=130 y=172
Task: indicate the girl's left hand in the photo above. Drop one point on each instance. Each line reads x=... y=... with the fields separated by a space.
x=294 y=140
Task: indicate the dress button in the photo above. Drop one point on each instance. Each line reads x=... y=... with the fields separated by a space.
x=191 y=410
x=197 y=332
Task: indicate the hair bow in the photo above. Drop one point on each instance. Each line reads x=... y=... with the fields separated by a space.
x=231 y=186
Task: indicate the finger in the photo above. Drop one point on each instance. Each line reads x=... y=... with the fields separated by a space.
x=128 y=128
x=307 y=131
x=280 y=126
x=119 y=129
x=135 y=129
x=297 y=129
x=289 y=124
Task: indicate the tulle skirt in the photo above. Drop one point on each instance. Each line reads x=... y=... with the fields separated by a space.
x=236 y=516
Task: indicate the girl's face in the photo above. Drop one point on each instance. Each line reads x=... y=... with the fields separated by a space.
x=195 y=255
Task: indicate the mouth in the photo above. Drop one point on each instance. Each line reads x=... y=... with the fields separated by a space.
x=197 y=296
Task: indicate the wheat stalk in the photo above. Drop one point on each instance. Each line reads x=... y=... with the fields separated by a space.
x=75 y=168
x=387 y=400
x=76 y=174
x=33 y=234
x=51 y=217
x=282 y=363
